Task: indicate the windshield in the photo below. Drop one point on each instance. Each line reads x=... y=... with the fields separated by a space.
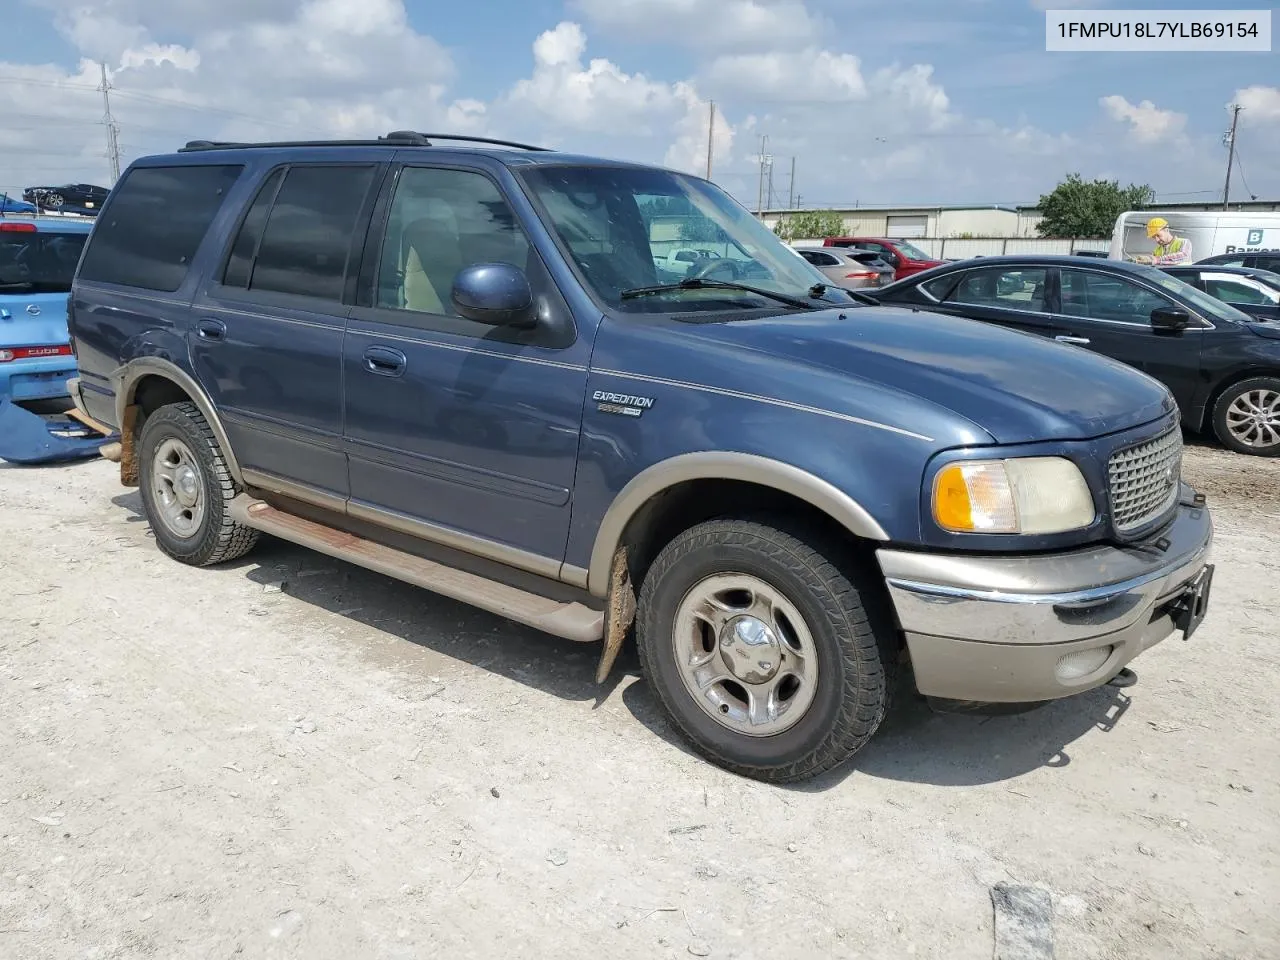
x=629 y=228
x=39 y=262
x=1211 y=307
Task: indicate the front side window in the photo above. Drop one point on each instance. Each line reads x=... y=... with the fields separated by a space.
x=619 y=225
x=1101 y=296
x=307 y=238
x=440 y=222
x=1010 y=289
x=153 y=224
x=32 y=262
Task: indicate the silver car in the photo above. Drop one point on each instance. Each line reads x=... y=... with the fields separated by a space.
x=849 y=268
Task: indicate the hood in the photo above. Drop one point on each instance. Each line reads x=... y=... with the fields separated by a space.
x=923 y=372
x=1266 y=328
x=19 y=327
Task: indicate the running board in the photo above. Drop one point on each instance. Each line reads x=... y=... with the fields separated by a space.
x=572 y=621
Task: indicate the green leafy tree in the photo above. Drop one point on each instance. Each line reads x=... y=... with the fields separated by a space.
x=810 y=225
x=1080 y=209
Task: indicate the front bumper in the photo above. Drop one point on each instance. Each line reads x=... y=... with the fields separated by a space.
x=1024 y=629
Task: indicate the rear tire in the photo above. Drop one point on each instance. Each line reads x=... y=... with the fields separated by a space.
x=1246 y=417
x=187 y=489
x=781 y=704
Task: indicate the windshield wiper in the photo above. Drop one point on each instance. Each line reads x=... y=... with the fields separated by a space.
x=695 y=283
x=818 y=291
x=19 y=285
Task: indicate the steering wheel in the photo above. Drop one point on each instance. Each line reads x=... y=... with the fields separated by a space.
x=705 y=271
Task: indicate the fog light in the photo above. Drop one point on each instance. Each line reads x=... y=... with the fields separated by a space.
x=1073 y=666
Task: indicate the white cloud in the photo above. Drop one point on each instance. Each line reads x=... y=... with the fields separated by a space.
x=1147 y=122
x=597 y=96
x=803 y=76
x=706 y=24
x=1260 y=103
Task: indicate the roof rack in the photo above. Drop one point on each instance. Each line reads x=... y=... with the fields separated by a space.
x=397 y=138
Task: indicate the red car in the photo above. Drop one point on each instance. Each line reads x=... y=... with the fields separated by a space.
x=899 y=254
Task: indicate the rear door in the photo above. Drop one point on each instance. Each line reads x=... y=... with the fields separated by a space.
x=267 y=327
x=1111 y=315
x=1009 y=295
x=37 y=265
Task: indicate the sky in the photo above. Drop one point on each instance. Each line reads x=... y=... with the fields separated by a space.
x=928 y=102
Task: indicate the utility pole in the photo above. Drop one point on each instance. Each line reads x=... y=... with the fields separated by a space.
x=791 y=187
x=764 y=160
x=113 y=131
x=1231 y=153
x=711 y=137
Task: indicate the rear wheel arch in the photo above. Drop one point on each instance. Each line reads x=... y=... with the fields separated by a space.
x=654 y=497
x=144 y=385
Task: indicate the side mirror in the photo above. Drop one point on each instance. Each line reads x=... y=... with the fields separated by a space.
x=497 y=294
x=1169 y=319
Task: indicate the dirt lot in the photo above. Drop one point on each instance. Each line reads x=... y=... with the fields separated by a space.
x=291 y=757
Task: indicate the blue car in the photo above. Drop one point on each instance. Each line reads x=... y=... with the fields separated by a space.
x=38 y=257
x=10 y=204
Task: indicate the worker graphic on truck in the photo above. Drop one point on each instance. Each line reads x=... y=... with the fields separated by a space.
x=1169 y=249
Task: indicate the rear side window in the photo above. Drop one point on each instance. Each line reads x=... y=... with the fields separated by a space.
x=154 y=223
x=307 y=237
x=41 y=262
x=245 y=249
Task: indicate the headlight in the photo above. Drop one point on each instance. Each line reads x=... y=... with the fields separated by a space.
x=1028 y=495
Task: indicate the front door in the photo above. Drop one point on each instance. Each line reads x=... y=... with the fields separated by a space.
x=267 y=328
x=457 y=431
x=1112 y=315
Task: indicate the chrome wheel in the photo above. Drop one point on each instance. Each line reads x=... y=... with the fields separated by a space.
x=1254 y=418
x=745 y=654
x=178 y=487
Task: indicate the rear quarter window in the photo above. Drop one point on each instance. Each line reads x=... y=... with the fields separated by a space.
x=154 y=223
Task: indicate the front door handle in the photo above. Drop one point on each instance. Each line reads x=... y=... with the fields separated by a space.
x=1079 y=341
x=385 y=362
x=209 y=329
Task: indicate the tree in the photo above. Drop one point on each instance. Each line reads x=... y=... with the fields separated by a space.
x=1083 y=210
x=810 y=225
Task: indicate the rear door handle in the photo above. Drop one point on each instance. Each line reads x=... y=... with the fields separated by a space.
x=1079 y=341
x=385 y=362
x=209 y=329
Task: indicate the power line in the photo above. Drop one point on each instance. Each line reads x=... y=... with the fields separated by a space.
x=1240 y=170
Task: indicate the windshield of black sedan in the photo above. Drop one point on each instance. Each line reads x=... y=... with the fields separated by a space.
x=629 y=228
x=1211 y=307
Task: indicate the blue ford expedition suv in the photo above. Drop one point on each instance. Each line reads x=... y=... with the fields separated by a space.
x=458 y=366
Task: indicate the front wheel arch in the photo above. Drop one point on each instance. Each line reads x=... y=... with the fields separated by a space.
x=779 y=478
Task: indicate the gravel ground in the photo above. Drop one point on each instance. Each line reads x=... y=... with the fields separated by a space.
x=291 y=757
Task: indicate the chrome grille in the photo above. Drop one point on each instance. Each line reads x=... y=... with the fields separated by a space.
x=1145 y=480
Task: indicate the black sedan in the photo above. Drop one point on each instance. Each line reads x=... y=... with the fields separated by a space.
x=1256 y=292
x=1222 y=365
x=69 y=197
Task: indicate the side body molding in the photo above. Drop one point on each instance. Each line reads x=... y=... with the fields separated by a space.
x=127 y=377
x=721 y=466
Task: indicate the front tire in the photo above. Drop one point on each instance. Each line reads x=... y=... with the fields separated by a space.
x=187 y=489
x=1246 y=417
x=763 y=652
